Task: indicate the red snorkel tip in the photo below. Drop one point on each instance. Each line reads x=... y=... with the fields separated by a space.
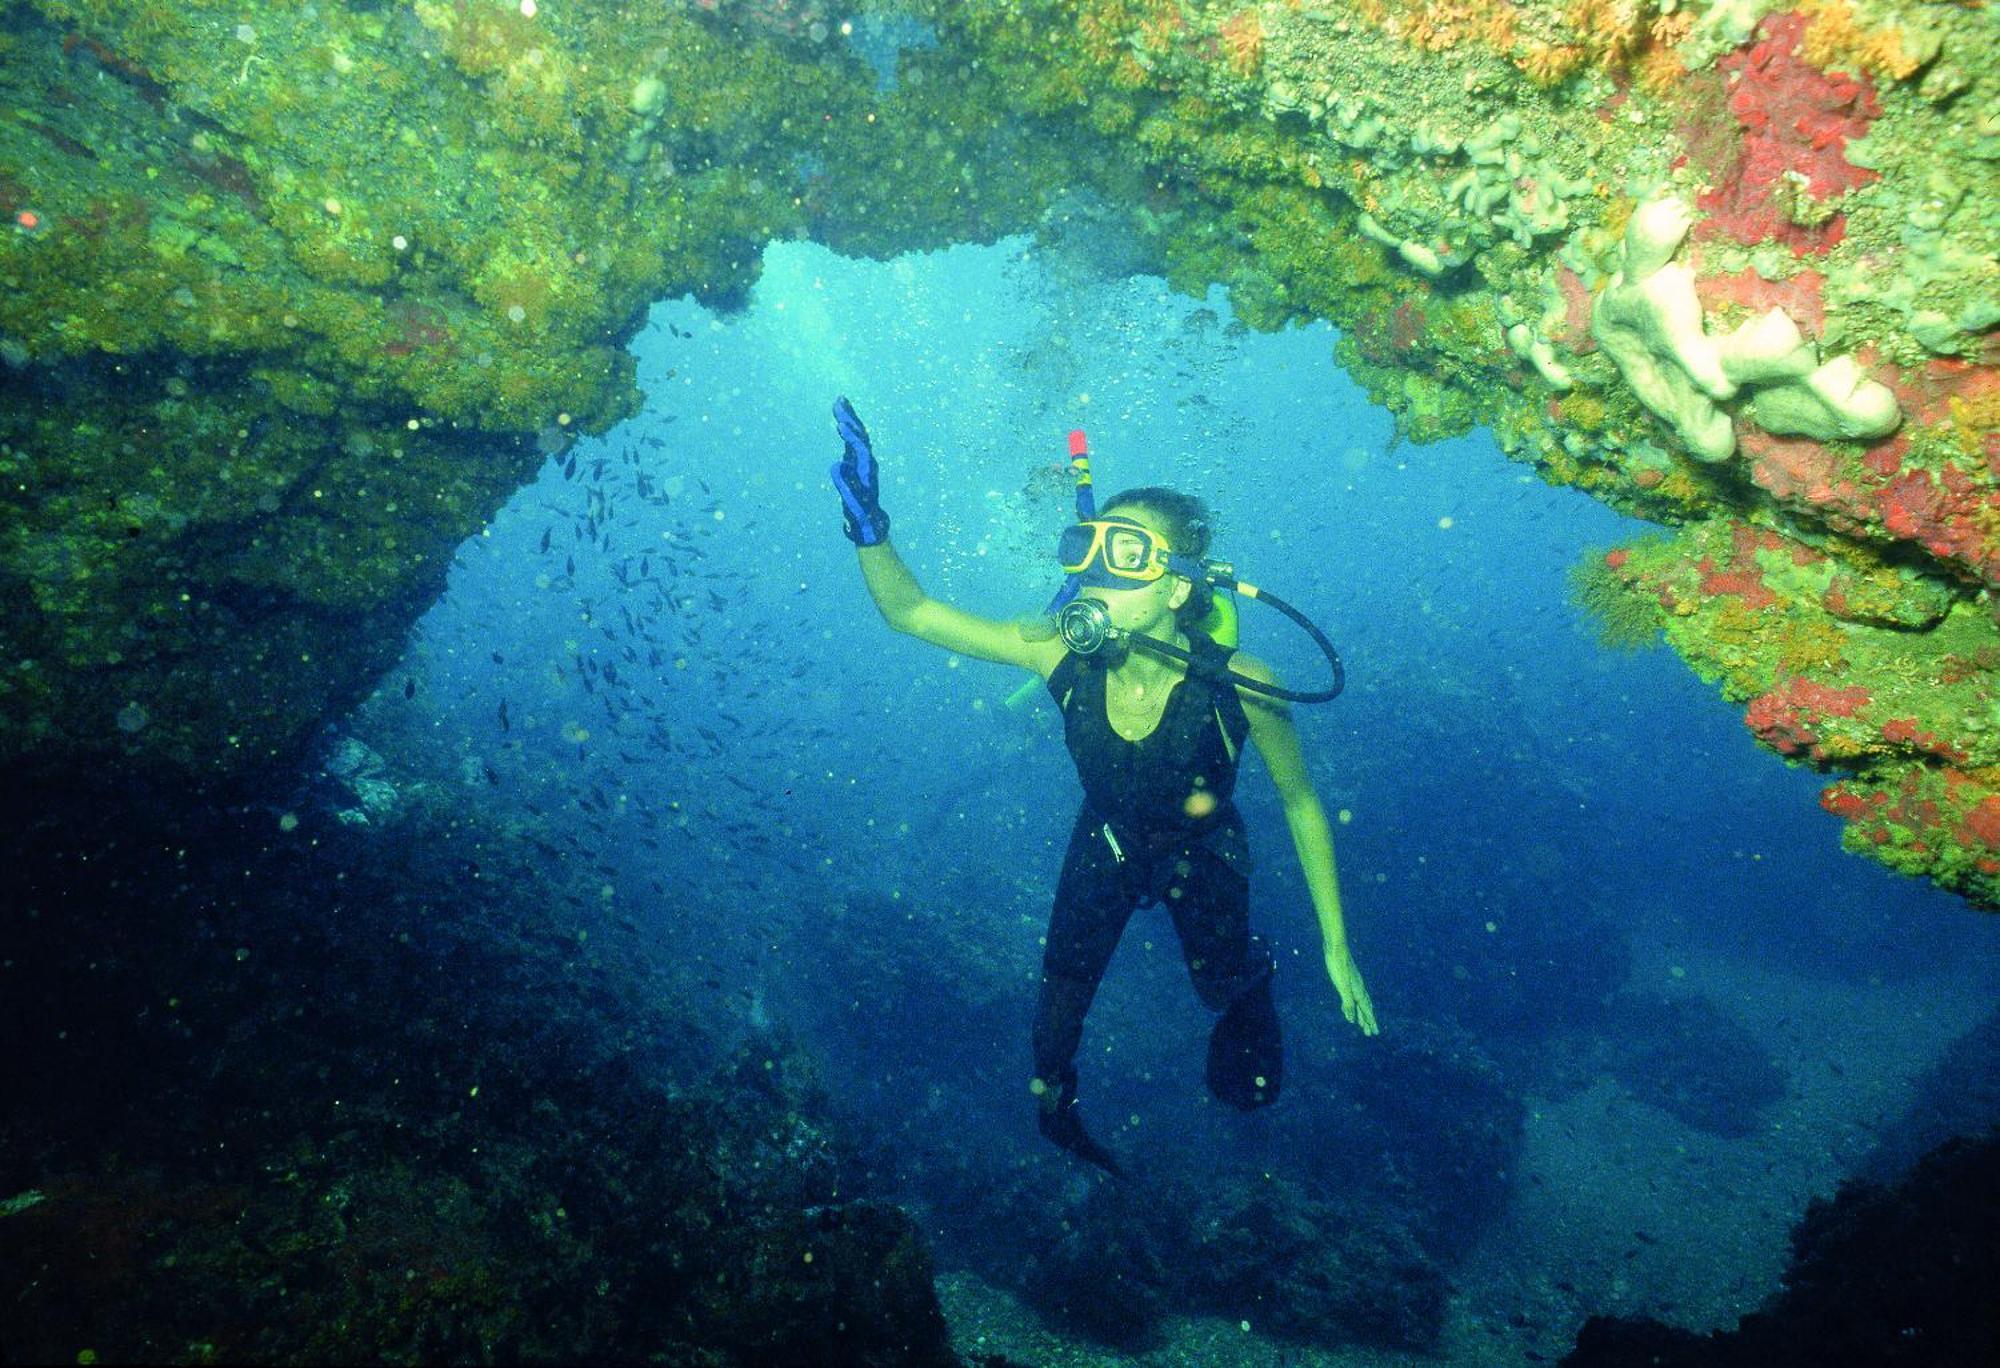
x=1078 y=444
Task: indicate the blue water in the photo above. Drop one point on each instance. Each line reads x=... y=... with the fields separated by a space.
x=1495 y=773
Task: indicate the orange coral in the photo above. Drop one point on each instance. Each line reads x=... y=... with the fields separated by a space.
x=1547 y=64
x=1835 y=39
x=1448 y=23
x=1128 y=74
x=1669 y=29
x=1657 y=70
x=1156 y=32
x=1496 y=29
x=1242 y=37
x=1606 y=30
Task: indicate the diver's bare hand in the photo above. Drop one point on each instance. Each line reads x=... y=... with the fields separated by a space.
x=1355 y=1004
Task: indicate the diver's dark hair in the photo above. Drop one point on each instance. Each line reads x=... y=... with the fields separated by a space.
x=1187 y=522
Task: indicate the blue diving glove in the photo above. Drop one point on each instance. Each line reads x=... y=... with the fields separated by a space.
x=858 y=479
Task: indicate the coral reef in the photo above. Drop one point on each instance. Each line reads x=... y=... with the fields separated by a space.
x=296 y=299
x=1846 y=661
x=1728 y=264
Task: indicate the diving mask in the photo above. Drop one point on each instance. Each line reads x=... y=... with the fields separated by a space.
x=1113 y=553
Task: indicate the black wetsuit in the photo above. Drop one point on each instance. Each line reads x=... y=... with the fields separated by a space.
x=1134 y=842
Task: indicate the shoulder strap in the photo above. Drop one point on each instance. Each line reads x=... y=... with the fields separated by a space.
x=1062 y=679
x=1228 y=703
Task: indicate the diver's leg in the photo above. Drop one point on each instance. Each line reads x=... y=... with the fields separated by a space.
x=1092 y=905
x=1231 y=969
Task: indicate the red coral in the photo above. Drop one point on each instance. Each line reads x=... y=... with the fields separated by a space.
x=1793 y=469
x=1905 y=731
x=1745 y=584
x=1910 y=506
x=1944 y=514
x=419 y=328
x=1982 y=824
x=1406 y=326
x=1799 y=295
x=1925 y=395
x=1796 y=122
x=1886 y=458
x=1788 y=719
x=1577 y=302
x=1390 y=335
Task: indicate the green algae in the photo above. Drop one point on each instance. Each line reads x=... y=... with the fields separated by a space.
x=381 y=252
x=321 y=278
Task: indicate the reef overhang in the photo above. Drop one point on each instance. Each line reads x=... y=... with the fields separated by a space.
x=298 y=295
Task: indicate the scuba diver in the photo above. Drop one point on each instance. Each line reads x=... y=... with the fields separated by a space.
x=1155 y=714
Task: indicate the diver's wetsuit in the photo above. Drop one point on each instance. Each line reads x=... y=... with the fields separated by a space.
x=1134 y=842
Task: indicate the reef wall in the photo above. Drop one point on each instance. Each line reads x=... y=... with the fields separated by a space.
x=1730 y=267
x=298 y=294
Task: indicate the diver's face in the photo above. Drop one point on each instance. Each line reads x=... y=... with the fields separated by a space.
x=1146 y=607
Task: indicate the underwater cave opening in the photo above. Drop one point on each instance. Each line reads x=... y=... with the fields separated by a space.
x=660 y=659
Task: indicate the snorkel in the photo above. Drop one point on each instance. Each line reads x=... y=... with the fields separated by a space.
x=1086 y=627
x=1086 y=509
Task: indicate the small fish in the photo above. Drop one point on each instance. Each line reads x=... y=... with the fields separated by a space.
x=545 y=540
x=498 y=659
x=505 y=725
x=491 y=777
x=569 y=468
x=409 y=688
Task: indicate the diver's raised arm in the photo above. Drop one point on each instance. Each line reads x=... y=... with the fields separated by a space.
x=895 y=590
x=904 y=605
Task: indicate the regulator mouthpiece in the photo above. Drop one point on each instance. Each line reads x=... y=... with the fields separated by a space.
x=1085 y=625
